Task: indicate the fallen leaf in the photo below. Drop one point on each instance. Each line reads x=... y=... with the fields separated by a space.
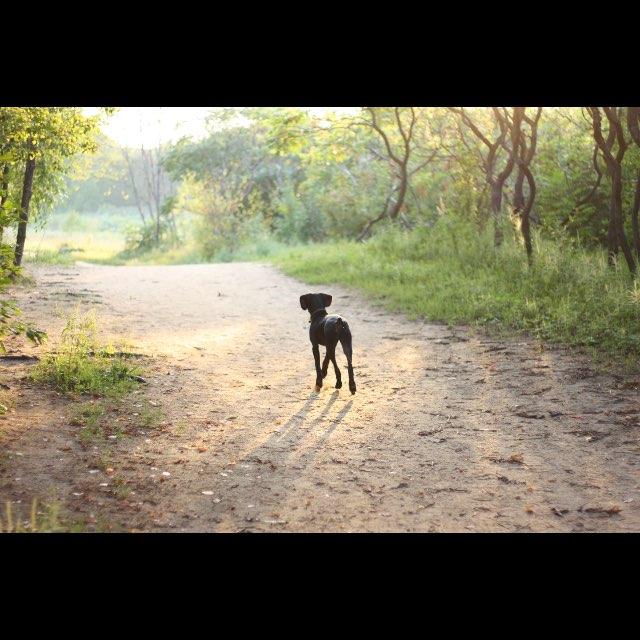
x=612 y=510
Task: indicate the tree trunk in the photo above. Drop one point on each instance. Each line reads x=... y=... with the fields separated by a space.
x=27 y=191
x=522 y=209
x=496 y=210
x=634 y=218
x=612 y=239
x=132 y=178
x=5 y=193
x=616 y=218
x=158 y=194
x=526 y=215
x=402 y=192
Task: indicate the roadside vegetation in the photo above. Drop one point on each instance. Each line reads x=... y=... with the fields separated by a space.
x=516 y=218
x=81 y=364
x=41 y=518
x=569 y=296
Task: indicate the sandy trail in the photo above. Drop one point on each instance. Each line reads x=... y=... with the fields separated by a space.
x=449 y=430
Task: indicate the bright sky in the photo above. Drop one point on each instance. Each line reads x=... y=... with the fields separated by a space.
x=132 y=126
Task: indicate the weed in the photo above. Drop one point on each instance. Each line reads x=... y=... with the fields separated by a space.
x=82 y=365
x=150 y=416
x=46 y=520
x=89 y=415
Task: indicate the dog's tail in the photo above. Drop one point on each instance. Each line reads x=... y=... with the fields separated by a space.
x=342 y=328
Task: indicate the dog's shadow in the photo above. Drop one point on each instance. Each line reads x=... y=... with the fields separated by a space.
x=336 y=422
x=290 y=424
x=292 y=432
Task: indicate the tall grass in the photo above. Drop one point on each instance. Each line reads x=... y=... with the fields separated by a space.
x=82 y=365
x=45 y=521
x=452 y=273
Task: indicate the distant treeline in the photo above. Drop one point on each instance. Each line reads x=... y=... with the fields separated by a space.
x=571 y=172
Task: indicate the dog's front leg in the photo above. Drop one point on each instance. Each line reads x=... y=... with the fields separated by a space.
x=316 y=357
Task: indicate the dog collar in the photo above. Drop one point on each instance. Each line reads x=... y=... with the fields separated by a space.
x=318 y=312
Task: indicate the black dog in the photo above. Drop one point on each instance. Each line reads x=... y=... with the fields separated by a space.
x=327 y=330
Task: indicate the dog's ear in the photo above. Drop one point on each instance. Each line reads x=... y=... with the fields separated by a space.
x=326 y=298
x=303 y=301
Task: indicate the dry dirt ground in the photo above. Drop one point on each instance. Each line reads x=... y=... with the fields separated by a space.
x=450 y=430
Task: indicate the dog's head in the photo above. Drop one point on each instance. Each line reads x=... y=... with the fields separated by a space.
x=314 y=301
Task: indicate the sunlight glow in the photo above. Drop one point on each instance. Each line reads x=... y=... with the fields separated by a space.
x=149 y=126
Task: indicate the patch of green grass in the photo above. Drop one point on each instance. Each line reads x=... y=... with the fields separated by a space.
x=89 y=415
x=59 y=247
x=82 y=365
x=119 y=487
x=45 y=519
x=48 y=256
x=104 y=460
x=5 y=459
x=185 y=254
x=150 y=416
x=451 y=273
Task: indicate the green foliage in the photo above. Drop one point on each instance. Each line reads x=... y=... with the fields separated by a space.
x=267 y=178
x=9 y=312
x=150 y=416
x=450 y=273
x=82 y=365
x=140 y=239
x=90 y=415
x=51 y=136
x=99 y=180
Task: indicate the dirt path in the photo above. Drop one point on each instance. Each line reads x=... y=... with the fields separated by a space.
x=449 y=431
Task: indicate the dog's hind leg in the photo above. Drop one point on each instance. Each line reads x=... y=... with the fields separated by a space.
x=345 y=341
x=337 y=371
x=331 y=342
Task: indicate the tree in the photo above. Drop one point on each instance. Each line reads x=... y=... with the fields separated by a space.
x=397 y=131
x=525 y=153
x=613 y=150
x=505 y=126
x=25 y=202
x=633 y=124
x=42 y=141
x=232 y=178
x=153 y=191
x=35 y=145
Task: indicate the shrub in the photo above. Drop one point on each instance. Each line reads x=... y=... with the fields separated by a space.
x=83 y=365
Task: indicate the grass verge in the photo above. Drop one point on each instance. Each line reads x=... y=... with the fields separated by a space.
x=452 y=274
